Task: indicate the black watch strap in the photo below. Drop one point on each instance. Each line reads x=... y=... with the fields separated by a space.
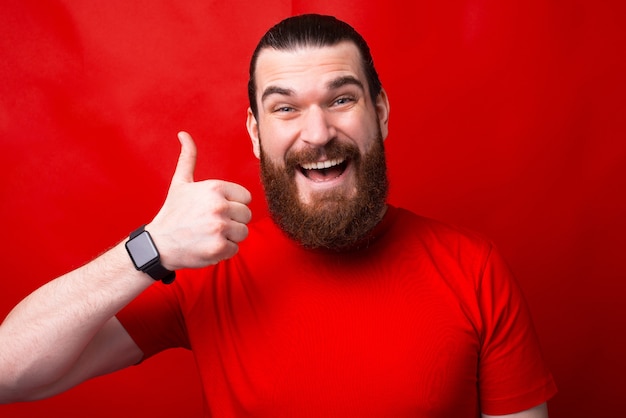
x=154 y=268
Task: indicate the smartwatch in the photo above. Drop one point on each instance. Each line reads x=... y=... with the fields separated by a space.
x=145 y=256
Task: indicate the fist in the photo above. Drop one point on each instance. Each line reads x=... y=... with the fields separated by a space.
x=200 y=223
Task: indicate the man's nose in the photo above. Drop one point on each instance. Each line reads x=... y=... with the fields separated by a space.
x=317 y=128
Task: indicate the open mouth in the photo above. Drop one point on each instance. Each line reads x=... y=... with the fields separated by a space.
x=324 y=171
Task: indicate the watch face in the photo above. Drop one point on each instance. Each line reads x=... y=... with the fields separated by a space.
x=142 y=250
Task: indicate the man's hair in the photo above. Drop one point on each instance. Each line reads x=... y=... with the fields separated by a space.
x=317 y=31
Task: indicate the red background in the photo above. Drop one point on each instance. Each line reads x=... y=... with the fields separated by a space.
x=506 y=117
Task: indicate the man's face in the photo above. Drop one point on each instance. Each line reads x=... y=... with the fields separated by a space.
x=319 y=137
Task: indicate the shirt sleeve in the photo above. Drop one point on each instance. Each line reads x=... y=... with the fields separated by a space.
x=154 y=319
x=513 y=376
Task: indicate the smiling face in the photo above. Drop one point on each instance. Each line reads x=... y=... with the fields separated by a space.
x=319 y=137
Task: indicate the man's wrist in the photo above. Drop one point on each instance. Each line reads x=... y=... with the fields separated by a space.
x=146 y=257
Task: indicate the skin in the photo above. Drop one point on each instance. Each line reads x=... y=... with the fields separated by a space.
x=200 y=223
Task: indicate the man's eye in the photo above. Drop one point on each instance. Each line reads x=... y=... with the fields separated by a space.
x=283 y=109
x=343 y=100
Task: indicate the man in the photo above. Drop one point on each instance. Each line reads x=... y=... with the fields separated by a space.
x=340 y=305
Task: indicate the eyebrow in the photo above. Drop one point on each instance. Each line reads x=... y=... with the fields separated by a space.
x=276 y=90
x=332 y=85
x=344 y=81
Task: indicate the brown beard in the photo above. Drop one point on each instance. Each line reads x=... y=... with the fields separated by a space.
x=333 y=220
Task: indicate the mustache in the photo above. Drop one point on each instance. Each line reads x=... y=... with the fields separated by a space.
x=331 y=150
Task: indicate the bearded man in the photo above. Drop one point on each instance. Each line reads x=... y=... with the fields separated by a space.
x=337 y=305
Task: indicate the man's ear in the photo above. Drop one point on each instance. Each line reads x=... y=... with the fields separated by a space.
x=253 y=132
x=382 y=111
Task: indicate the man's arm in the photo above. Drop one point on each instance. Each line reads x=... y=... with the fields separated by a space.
x=540 y=411
x=66 y=332
x=45 y=336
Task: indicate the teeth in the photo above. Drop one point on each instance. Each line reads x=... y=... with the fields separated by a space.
x=322 y=164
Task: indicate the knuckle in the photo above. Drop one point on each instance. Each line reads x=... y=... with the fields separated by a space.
x=219 y=227
x=220 y=206
x=225 y=249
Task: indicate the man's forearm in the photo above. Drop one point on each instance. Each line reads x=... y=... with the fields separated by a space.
x=45 y=333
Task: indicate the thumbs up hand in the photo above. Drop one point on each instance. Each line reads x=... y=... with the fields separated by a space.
x=200 y=223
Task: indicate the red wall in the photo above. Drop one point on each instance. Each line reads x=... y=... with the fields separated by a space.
x=507 y=117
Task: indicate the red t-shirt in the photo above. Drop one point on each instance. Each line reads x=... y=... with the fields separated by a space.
x=426 y=321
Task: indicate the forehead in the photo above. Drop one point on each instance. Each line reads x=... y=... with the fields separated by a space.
x=307 y=66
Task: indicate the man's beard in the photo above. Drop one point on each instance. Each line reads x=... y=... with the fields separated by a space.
x=331 y=219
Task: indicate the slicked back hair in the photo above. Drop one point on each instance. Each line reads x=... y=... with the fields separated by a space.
x=312 y=30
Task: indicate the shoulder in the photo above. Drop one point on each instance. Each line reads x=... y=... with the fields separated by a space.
x=462 y=258
x=436 y=235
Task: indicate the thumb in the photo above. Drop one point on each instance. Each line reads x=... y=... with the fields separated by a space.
x=186 y=160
